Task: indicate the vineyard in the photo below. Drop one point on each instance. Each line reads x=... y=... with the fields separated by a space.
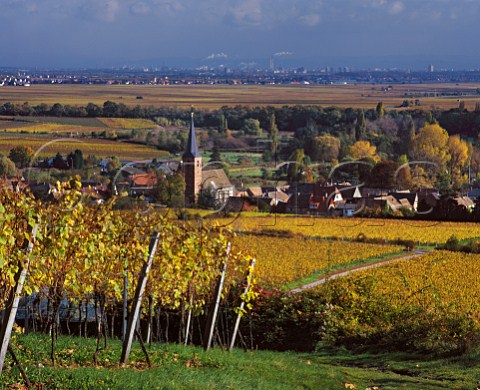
x=442 y=278
x=98 y=147
x=429 y=305
x=282 y=260
x=82 y=257
x=423 y=232
x=127 y=123
x=65 y=125
x=87 y=263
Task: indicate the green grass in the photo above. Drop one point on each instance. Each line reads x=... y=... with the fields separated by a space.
x=179 y=367
x=174 y=367
x=246 y=172
x=232 y=158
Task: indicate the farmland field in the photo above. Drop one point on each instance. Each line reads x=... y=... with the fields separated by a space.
x=442 y=96
x=100 y=148
x=39 y=124
x=61 y=120
x=350 y=228
x=284 y=260
x=46 y=128
x=127 y=123
x=449 y=279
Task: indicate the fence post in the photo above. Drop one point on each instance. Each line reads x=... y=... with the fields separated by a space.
x=137 y=301
x=13 y=300
x=242 y=305
x=212 y=316
x=125 y=302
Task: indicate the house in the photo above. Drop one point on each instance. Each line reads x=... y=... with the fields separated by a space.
x=382 y=202
x=237 y=204
x=346 y=209
x=277 y=196
x=216 y=181
x=255 y=192
x=464 y=202
x=142 y=183
x=325 y=198
x=313 y=198
x=408 y=199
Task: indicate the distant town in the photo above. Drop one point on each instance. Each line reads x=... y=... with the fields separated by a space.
x=238 y=75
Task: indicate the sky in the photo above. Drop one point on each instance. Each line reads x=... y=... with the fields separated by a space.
x=313 y=33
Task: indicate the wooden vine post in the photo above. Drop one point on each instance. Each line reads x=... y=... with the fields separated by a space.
x=212 y=315
x=14 y=298
x=125 y=302
x=137 y=301
x=242 y=305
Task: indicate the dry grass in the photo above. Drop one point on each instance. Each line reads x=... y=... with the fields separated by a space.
x=215 y=96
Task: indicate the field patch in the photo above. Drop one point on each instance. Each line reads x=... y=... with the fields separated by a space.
x=127 y=123
x=282 y=260
x=63 y=120
x=442 y=96
x=431 y=233
x=101 y=148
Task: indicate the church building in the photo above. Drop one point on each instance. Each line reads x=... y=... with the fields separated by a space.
x=192 y=167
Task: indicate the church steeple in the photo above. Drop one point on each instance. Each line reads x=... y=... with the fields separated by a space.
x=192 y=166
x=192 y=149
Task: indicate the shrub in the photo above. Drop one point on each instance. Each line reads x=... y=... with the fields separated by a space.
x=452 y=244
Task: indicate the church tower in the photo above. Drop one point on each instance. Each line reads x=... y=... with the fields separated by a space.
x=192 y=166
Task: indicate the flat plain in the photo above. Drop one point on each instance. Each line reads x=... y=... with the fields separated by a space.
x=441 y=96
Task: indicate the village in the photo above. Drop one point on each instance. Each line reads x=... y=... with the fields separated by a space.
x=185 y=181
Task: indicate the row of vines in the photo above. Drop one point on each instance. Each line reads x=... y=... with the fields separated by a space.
x=386 y=230
x=86 y=254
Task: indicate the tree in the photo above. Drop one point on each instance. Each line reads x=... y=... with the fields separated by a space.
x=7 y=167
x=404 y=175
x=383 y=175
x=59 y=162
x=363 y=149
x=429 y=118
x=431 y=146
x=459 y=156
x=113 y=164
x=223 y=125
x=170 y=189
x=252 y=127
x=475 y=164
x=296 y=166
x=57 y=110
x=324 y=148
x=78 y=162
x=380 y=109
x=21 y=156
x=273 y=133
x=93 y=110
x=215 y=156
x=410 y=140
x=361 y=127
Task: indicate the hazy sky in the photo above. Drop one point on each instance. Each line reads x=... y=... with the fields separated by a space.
x=407 y=33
